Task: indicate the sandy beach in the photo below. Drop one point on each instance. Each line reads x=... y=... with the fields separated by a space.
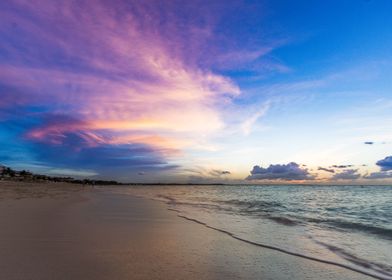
x=61 y=231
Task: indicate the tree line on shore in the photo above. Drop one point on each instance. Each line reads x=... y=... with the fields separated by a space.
x=6 y=173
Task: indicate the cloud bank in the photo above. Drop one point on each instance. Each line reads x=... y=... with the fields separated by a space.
x=349 y=174
x=291 y=171
x=379 y=175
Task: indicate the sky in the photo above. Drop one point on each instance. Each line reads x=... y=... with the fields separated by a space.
x=198 y=91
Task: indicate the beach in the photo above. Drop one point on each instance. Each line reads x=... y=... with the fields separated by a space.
x=63 y=231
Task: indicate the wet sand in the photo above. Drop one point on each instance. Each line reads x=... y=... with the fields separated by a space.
x=71 y=232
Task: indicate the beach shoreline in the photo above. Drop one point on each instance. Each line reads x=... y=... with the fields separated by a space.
x=78 y=232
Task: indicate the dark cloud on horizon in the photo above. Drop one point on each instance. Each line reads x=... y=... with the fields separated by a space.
x=349 y=174
x=291 y=171
x=59 y=141
x=385 y=164
x=342 y=166
x=104 y=157
x=326 y=169
x=378 y=175
x=99 y=158
x=216 y=172
x=200 y=171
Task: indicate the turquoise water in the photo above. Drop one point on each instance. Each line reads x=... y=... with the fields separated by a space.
x=348 y=225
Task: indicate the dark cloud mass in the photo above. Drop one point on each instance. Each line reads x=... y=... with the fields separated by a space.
x=385 y=164
x=342 y=166
x=289 y=172
x=386 y=167
x=326 y=169
x=100 y=157
x=349 y=174
x=216 y=172
x=368 y=143
x=60 y=141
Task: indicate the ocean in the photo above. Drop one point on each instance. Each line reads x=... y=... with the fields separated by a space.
x=348 y=226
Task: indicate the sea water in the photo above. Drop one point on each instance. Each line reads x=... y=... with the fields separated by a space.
x=345 y=225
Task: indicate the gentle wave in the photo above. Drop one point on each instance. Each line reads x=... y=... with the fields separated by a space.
x=385 y=275
x=380 y=268
x=382 y=232
x=270 y=210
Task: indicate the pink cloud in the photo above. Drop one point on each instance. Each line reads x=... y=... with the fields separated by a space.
x=127 y=77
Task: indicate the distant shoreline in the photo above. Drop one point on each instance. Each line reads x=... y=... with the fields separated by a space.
x=8 y=174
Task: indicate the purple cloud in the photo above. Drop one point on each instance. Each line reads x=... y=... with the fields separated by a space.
x=379 y=175
x=77 y=152
x=349 y=174
x=289 y=172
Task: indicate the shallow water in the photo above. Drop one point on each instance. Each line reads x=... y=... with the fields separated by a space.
x=348 y=225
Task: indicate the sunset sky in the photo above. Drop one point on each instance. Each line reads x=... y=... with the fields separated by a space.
x=198 y=91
